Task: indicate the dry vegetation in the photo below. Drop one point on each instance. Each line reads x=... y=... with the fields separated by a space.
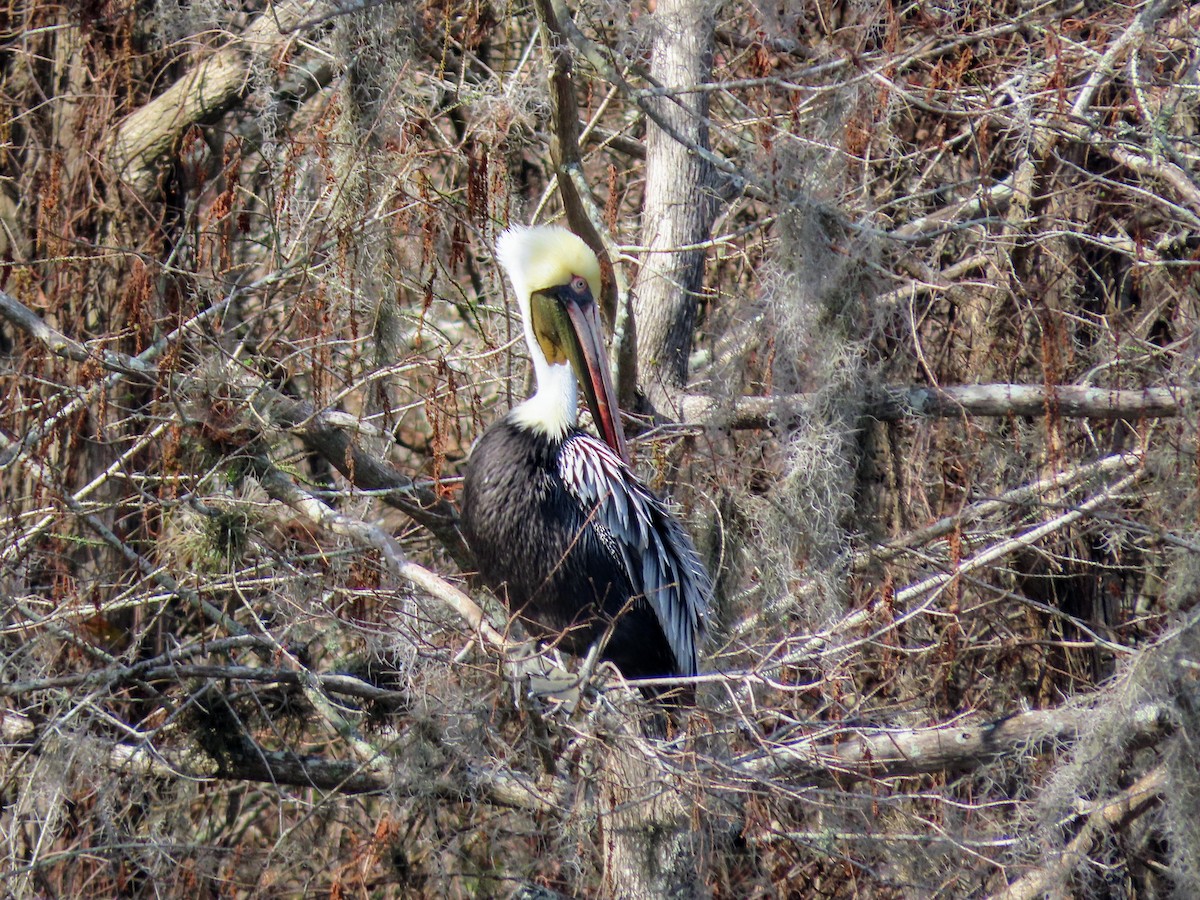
x=916 y=289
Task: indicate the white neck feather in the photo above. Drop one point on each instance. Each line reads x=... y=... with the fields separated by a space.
x=553 y=410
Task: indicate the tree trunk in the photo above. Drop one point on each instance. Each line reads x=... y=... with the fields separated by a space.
x=679 y=202
x=650 y=848
x=648 y=852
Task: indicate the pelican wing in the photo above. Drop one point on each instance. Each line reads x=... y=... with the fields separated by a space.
x=642 y=535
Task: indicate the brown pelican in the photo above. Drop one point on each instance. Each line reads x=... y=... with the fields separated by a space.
x=560 y=526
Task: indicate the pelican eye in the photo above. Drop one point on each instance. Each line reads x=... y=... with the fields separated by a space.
x=579 y=284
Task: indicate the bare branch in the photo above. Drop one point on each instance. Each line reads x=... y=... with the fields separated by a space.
x=892 y=752
x=322 y=433
x=146 y=137
x=1021 y=495
x=1142 y=24
x=1104 y=818
x=50 y=481
x=900 y=403
x=255 y=763
x=374 y=537
x=61 y=345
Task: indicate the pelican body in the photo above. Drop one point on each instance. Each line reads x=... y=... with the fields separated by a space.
x=559 y=525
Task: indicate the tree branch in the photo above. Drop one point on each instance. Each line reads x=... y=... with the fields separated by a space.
x=819 y=642
x=322 y=433
x=146 y=137
x=1113 y=815
x=48 y=479
x=892 y=752
x=375 y=538
x=326 y=435
x=893 y=404
x=252 y=762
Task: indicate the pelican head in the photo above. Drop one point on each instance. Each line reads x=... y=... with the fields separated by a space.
x=556 y=278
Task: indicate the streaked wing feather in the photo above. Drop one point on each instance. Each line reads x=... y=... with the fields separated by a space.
x=648 y=541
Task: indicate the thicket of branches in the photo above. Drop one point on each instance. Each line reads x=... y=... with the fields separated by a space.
x=904 y=301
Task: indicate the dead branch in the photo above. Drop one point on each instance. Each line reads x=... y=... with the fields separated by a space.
x=930 y=587
x=47 y=478
x=990 y=201
x=858 y=754
x=1021 y=541
x=323 y=433
x=326 y=435
x=118 y=364
x=1029 y=493
x=251 y=762
x=375 y=538
x=896 y=404
x=600 y=59
x=1104 y=818
x=1071 y=401
x=16 y=549
x=146 y=137
x=1137 y=31
x=121 y=673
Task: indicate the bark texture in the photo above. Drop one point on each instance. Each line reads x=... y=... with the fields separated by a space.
x=679 y=201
